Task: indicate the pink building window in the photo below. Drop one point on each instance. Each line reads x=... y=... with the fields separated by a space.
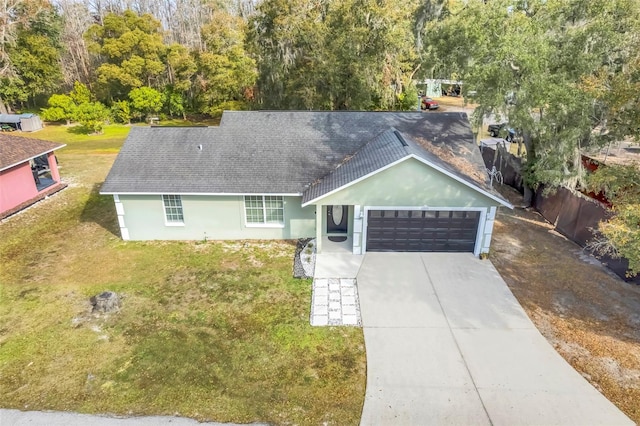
x=42 y=172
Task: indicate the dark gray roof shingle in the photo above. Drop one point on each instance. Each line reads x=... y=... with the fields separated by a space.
x=286 y=152
x=384 y=149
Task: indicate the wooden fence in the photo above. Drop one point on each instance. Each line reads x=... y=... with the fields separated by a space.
x=574 y=215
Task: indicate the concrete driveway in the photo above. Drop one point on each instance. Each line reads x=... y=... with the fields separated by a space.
x=447 y=343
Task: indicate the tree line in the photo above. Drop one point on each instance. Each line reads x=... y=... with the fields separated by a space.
x=564 y=73
x=125 y=59
x=204 y=57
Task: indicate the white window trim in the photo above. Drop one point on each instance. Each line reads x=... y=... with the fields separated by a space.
x=164 y=212
x=173 y=223
x=264 y=225
x=264 y=213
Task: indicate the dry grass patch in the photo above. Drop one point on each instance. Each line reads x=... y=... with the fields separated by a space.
x=209 y=330
x=590 y=316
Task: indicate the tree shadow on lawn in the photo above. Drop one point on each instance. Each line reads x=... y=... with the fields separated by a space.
x=101 y=210
x=80 y=129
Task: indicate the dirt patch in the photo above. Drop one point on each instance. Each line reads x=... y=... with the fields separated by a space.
x=621 y=152
x=589 y=315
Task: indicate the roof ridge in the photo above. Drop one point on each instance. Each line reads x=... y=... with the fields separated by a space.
x=392 y=130
x=411 y=145
x=349 y=158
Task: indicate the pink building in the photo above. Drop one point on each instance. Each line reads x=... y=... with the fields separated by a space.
x=28 y=172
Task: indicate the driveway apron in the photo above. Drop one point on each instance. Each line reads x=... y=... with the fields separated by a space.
x=448 y=343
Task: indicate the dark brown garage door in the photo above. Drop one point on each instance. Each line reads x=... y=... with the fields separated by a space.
x=417 y=230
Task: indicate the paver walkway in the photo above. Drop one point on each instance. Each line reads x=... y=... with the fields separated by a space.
x=447 y=343
x=335 y=302
x=334 y=299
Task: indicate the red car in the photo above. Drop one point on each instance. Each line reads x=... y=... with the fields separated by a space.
x=428 y=103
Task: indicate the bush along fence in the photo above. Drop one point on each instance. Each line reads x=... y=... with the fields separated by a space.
x=574 y=215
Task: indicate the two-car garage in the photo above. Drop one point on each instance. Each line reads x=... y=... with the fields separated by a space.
x=422 y=230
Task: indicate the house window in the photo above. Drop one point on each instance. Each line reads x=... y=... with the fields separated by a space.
x=173 y=210
x=264 y=210
x=41 y=172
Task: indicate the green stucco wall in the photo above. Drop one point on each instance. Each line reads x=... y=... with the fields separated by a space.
x=409 y=183
x=211 y=217
x=323 y=225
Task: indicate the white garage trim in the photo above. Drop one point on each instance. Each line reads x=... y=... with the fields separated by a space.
x=488 y=229
x=480 y=234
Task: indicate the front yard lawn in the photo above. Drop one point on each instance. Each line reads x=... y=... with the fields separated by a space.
x=209 y=330
x=109 y=141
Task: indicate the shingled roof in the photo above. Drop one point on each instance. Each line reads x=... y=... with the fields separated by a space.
x=15 y=150
x=290 y=152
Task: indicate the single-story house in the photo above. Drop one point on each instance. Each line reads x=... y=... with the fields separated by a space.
x=28 y=171
x=26 y=122
x=367 y=181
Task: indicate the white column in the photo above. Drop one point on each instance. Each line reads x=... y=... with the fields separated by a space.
x=124 y=232
x=357 y=229
x=488 y=229
x=319 y=220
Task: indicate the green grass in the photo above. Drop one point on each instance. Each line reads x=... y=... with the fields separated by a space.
x=190 y=122
x=109 y=141
x=214 y=331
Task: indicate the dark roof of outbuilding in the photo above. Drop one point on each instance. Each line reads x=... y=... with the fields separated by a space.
x=289 y=152
x=15 y=150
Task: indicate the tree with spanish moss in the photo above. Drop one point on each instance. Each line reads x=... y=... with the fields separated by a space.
x=353 y=54
x=531 y=62
x=29 y=51
x=131 y=52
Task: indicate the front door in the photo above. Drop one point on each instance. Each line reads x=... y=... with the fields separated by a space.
x=337 y=218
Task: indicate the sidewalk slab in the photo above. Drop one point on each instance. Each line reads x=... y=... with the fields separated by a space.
x=334 y=302
x=337 y=265
x=63 y=418
x=423 y=406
